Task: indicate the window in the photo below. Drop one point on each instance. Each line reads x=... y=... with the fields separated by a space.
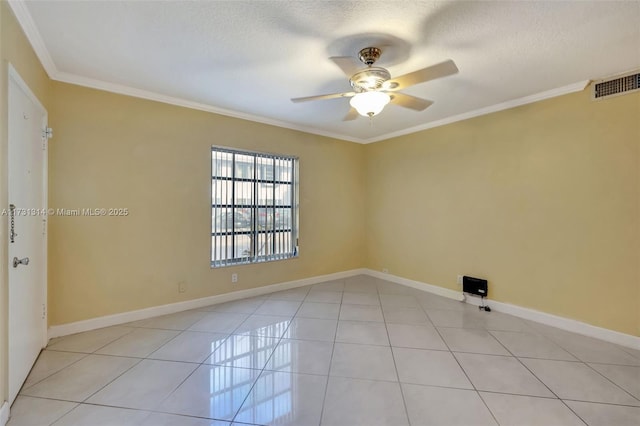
x=253 y=207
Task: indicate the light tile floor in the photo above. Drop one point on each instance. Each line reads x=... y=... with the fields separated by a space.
x=359 y=351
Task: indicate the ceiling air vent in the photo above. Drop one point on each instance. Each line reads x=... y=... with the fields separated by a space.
x=615 y=86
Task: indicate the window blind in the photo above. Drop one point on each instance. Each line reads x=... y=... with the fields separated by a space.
x=253 y=207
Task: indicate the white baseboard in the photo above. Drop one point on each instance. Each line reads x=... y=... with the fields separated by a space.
x=4 y=413
x=140 y=314
x=521 y=312
x=440 y=291
x=518 y=311
x=563 y=323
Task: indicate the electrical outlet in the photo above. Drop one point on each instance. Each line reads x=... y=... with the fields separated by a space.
x=182 y=287
x=385 y=271
x=459 y=280
x=234 y=278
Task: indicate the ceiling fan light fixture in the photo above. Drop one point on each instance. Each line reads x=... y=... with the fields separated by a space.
x=369 y=104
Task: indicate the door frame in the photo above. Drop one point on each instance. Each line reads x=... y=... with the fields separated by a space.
x=14 y=76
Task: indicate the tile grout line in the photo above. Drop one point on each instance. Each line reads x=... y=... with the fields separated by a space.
x=393 y=357
x=572 y=353
x=588 y=366
x=540 y=380
x=460 y=366
x=180 y=332
x=138 y=363
x=578 y=360
x=182 y=362
x=270 y=356
x=611 y=381
x=84 y=401
x=629 y=351
x=258 y=374
x=200 y=364
x=280 y=339
x=77 y=404
x=450 y=351
x=49 y=375
x=111 y=381
x=333 y=349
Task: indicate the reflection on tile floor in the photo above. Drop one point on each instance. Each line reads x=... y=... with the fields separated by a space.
x=358 y=351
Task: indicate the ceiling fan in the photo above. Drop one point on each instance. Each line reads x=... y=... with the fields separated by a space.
x=373 y=87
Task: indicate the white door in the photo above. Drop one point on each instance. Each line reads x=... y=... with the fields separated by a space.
x=26 y=164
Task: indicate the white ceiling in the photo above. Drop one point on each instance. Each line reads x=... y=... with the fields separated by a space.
x=248 y=58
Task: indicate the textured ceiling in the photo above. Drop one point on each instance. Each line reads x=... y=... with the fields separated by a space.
x=248 y=58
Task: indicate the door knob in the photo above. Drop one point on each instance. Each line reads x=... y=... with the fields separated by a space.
x=17 y=261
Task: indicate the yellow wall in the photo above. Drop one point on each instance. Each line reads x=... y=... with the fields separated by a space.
x=14 y=49
x=154 y=159
x=543 y=200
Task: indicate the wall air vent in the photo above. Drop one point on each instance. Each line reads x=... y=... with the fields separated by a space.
x=615 y=86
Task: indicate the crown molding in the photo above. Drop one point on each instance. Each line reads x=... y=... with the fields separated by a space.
x=153 y=96
x=25 y=20
x=144 y=94
x=30 y=29
x=575 y=87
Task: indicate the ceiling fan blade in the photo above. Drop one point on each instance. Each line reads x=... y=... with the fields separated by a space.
x=321 y=97
x=410 y=102
x=351 y=115
x=442 y=69
x=349 y=65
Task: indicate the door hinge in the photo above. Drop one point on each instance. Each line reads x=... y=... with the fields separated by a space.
x=44 y=311
x=44 y=226
x=47 y=133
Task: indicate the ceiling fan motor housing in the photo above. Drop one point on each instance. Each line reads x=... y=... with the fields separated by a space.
x=369 y=79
